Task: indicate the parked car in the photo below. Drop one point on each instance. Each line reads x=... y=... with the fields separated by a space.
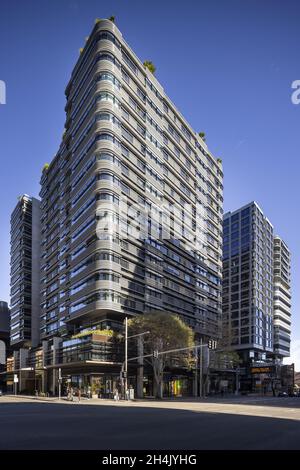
x=282 y=394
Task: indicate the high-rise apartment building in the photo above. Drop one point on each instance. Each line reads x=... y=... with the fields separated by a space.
x=131 y=208
x=4 y=341
x=256 y=298
x=25 y=273
x=282 y=299
x=248 y=282
x=4 y=317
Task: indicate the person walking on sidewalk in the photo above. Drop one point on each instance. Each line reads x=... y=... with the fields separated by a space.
x=116 y=394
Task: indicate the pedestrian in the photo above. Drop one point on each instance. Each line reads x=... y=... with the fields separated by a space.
x=116 y=394
x=89 y=392
x=79 y=395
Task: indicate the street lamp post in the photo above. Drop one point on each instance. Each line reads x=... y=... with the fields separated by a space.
x=201 y=368
x=196 y=373
x=59 y=383
x=237 y=381
x=125 y=364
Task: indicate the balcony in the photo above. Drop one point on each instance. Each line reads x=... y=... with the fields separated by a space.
x=93 y=347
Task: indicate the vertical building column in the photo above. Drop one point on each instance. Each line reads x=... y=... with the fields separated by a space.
x=56 y=345
x=35 y=272
x=23 y=356
x=44 y=373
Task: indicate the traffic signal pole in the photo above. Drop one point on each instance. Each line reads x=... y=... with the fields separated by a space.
x=125 y=364
x=196 y=373
x=210 y=345
x=126 y=355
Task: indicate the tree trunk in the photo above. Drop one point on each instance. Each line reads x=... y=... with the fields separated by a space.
x=158 y=379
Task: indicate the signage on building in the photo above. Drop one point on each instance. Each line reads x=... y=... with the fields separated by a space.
x=262 y=370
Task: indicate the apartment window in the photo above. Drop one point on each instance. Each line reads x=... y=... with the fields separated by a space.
x=109 y=77
x=130 y=63
x=110 y=58
x=127 y=135
x=125 y=77
x=105 y=96
x=125 y=114
x=106 y=35
x=103 y=196
x=109 y=157
x=108 y=177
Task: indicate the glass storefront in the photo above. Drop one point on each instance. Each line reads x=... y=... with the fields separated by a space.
x=95 y=385
x=174 y=386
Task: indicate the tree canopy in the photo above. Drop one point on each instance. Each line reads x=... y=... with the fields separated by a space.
x=166 y=332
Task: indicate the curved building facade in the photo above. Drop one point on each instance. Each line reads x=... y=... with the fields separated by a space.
x=131 y=212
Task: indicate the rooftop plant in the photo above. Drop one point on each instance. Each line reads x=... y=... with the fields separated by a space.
x=202 y=135
x=93 y=332
x=150 y=66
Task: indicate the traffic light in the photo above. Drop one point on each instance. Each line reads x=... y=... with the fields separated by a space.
x=212 y=344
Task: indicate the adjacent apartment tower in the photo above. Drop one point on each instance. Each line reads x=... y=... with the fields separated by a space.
x=282 y=299
x=248 y=282
x=131 y=211
x=25 y=274
x=256 y=288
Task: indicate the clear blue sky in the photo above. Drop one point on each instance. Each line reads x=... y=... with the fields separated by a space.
x=227 y=65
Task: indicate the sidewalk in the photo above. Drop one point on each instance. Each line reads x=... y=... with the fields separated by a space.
x=65 y=400
x=30 y=397
x=98 y=401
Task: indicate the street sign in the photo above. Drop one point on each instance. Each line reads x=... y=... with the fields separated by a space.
x=16 y=378
x=212 y=344
x=262 y=370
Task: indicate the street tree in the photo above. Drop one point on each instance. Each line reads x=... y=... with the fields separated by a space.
x=225 y=357
x=166 y=332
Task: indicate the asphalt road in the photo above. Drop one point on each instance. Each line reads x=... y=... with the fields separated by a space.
x=260 y=424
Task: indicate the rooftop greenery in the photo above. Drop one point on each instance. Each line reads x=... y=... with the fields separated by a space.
x=150 y=66
x=93 y=332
